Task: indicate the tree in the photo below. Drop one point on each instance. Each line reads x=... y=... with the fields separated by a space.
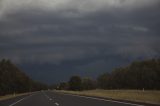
x=13 y=80
x=138 y=75
x=63 y=86
x=104 y=81
x=88 y=84
x=75 y=83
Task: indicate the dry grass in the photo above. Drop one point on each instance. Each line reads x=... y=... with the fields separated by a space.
x=131 y=95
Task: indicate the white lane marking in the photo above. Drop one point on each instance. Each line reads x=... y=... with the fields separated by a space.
x=20 y=100
x=56 y=104
x=105 y=100
x=47 y=96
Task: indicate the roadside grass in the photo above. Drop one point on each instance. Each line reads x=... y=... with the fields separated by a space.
x=152 y=97
x=12 y=96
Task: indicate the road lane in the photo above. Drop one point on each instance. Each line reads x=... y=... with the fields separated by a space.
x=11 y=101
x=72 y=100
x=39 y=99
x=50 y=98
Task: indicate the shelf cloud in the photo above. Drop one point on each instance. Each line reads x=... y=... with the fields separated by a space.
x=76 y=35
x=84 y=6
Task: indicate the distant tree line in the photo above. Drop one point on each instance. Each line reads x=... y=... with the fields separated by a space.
x=13 y=80
x=138 y=75
x=76 y=83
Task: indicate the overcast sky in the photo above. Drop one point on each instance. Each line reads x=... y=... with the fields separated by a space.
x=49 y=39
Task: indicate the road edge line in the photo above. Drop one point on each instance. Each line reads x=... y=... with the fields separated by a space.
x=115 y=101
x=21 y=100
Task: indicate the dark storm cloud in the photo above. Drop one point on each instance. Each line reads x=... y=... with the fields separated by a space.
x=93 y=34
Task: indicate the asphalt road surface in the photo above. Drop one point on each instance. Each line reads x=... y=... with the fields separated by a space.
x=50 y=98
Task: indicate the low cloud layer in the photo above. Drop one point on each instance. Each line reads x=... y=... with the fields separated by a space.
x=93 y=34
x=87 y=6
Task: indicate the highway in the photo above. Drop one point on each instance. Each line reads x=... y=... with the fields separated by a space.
x=50 y=98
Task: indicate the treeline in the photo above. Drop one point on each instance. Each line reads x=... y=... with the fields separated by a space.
x=77 y=83
x=138 y=75
x=13 y=80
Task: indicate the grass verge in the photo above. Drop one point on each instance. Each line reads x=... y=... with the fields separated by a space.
x=152 y=97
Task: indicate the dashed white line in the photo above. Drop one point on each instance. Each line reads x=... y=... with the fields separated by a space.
x=56 y=104
x=105 y=100
x=47 y=96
